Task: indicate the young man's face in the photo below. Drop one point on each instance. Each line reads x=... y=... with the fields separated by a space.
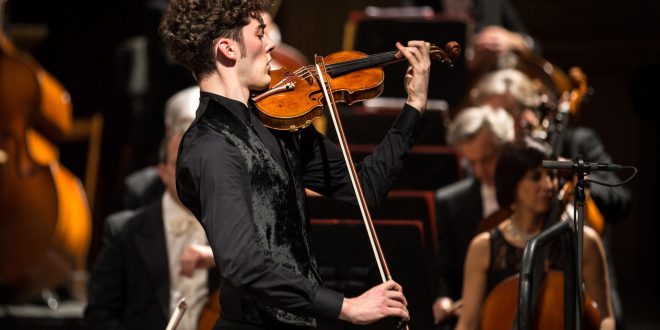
x=253 y=66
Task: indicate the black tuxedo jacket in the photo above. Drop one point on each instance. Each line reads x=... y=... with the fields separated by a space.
x=129 y=284
x=142 y=187
x=459 y=211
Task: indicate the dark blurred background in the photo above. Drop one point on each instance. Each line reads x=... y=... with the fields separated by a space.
x=616 y=43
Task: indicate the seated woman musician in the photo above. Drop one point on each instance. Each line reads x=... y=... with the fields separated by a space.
x=495 y=255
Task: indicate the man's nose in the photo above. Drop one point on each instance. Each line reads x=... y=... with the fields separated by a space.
x=270 y=44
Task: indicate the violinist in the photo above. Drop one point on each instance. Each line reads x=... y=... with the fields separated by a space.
x=478 y=133
x=527 y=189
x=245 y=183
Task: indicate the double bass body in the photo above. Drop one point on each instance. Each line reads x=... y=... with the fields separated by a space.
x=45 y=222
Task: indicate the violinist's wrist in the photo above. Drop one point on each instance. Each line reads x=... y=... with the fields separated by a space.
x=346 y=310
x=419 y=105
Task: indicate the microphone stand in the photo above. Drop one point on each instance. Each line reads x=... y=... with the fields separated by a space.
x=573 y=247
x=579 y=200
x=575 y=242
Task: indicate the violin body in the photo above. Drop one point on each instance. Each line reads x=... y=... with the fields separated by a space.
x=298 y=107
x=211 y=311
x=501 y=306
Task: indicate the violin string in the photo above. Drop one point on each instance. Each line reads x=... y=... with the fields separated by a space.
x=308 y=71
x=369 y=59
x=342 y=65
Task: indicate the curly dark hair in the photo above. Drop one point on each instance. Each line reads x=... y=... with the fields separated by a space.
x=515 y=160
x=190 y=27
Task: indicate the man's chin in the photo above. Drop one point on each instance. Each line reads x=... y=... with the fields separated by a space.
x=264 y=85
x=258 y=89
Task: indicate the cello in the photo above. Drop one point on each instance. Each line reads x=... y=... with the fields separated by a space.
x=499 y=309
x=46 y=224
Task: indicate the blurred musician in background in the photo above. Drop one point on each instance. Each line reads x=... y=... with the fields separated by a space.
x=515 y=92
x=479 y=134
x=145 y=186
x=522 y=97
x=497 y=26
x=151 y=258
x=527 y=189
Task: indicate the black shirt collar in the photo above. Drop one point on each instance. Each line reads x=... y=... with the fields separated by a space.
x=239 y=109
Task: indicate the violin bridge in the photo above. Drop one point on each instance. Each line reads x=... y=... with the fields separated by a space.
x=283 y=88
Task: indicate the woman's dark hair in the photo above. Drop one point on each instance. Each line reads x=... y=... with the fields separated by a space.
x=515 y=160
x=190 y=27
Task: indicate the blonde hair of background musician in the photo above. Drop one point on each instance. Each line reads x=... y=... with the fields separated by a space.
x=478 y=134
x=180 y=109
x=513 y=91
x=507 y=82
x=471 y=121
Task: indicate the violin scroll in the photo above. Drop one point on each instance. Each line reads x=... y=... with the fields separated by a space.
x=450 y=52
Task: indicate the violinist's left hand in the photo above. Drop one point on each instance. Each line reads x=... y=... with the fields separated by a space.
x=416 y=81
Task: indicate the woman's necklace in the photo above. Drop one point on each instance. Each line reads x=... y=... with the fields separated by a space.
x=517 y=233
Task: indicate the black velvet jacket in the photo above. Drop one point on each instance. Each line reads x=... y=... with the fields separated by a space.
x=245 y=183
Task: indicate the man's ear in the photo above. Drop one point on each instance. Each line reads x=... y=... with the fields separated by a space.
x=227 y=49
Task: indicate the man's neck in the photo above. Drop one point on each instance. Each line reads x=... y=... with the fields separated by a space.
x=225 y=85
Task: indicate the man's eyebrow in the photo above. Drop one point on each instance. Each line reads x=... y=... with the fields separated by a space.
x=261 y=27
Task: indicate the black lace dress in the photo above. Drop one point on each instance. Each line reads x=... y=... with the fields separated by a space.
x=505 y=259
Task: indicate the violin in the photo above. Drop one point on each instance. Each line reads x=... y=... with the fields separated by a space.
x=295 y=98
x=211 y=311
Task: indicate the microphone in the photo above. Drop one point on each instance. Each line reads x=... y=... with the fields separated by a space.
x=580 y=166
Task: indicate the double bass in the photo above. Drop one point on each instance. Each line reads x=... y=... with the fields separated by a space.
x=46 y=223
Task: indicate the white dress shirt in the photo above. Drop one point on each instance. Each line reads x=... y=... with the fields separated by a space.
x=181 y=230
x=488 y=200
